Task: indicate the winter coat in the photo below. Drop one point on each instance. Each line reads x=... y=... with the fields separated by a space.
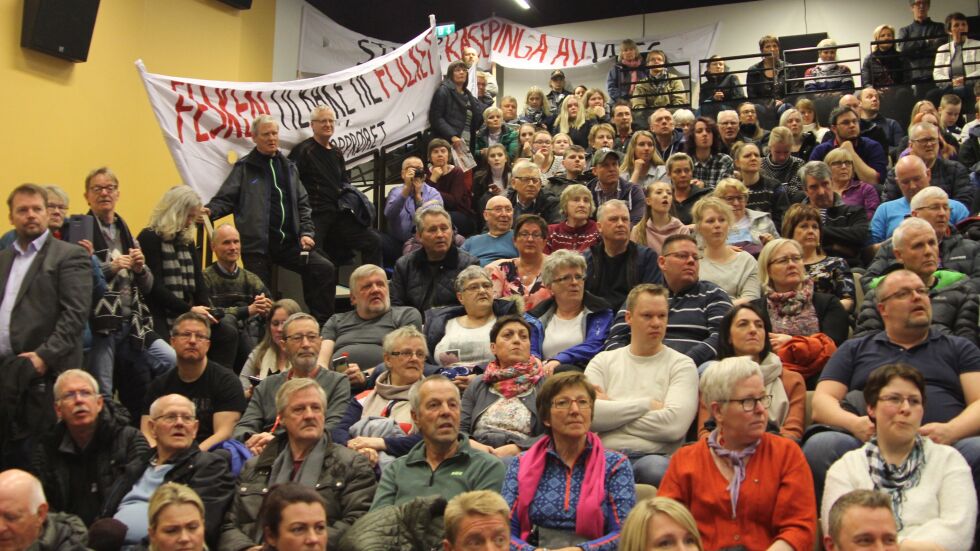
x=447 y=112
x=414 y=285
x=413 y=525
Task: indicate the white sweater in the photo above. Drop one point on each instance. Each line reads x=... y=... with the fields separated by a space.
x=941 y=509
x=626 y=421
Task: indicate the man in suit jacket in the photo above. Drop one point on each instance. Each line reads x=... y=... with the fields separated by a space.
x=47 y=292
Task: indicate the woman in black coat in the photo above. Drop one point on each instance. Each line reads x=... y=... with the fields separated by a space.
x=453 y=105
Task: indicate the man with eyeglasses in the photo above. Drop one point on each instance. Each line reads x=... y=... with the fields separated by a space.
x=527 y=196
x=205 y=383
x=951 y=176
x=615 y=264
x=956 y=253
x=728 y=127
x=498 y=241
x=647 y=393
x=80 y=459
x=949 y=364
x=696 y=306
x=952 y=295
x=844 y=228
x=870 y=161
x=301 y=339
x=173 y=426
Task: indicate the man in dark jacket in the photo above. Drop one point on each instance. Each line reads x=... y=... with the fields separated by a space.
x=426 y=277
x=80 y=459
x=608 y=184
x=845 y=227
x=273 y=214
x=173 y=422
x=27 y=523
x=951 y=176
x=343 y=477
x=921 y=54
x=526 y=195
x=870 y=159
x=615 y=264
x=953 y=297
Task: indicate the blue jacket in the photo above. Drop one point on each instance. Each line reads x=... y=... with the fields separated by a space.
x=598 y=320
x=869 y=150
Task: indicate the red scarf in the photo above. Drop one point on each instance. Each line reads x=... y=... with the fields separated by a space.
x=514 y=380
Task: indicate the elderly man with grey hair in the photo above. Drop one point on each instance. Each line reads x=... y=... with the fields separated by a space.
x=91 y=431
x=357 y=336
x=301 y=339
x=173 y=424
x=424 y=278
x=953 y=296
x=29 y=523
x=303 y=454
x=956 y=253
x=845 y=227
x=573 y=324
x=616 y=264
x=272 y=210
x=951 y=176
x=498 y=241
x=443 y=463
x=527 y=196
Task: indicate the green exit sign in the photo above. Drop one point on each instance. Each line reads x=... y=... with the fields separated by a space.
x=445 y=30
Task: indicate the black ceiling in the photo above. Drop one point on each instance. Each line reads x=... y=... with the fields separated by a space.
x=401 y=20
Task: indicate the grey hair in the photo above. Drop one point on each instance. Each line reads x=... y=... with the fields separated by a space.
x=612 y=203
x=297 y=317
x=158 y=403
x=562 y=258
x=925 y=194
x=57 y=192
x=491 y=110
x=727 y=112
x=922 y=125
x=525 y=164
x=910 y=223
x=74 y=374
x=469 y=273
x=415 y=393
x=400 y=334
x=682 y=116
x=295 y=385
x=816 y=169
x=364 y=271
x=322 y=108
x=169 y=216
x=431 y=210
x=718 y=381
x=258 y=121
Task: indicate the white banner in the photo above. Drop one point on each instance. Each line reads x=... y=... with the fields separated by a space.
x=206 y=123
x=327 y=47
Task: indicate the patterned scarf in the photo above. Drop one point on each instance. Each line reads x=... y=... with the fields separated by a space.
x=178 y=273
x=738 y=459
x=895 y=479
x=514 y=380
x=792 y=312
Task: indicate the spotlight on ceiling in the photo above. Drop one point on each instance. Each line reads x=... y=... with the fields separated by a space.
x=523 y=4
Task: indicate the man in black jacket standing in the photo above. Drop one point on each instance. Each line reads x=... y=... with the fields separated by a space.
x=272 y=212
x=80 y=459
x=323 y=171
x=921 y=54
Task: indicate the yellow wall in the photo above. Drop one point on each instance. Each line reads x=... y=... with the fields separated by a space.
x=62 y=119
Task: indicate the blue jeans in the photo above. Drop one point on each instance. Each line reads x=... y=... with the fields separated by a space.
x=648 y=469
x=153 y=361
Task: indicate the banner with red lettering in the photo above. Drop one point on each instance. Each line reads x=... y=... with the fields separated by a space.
x=206 y=123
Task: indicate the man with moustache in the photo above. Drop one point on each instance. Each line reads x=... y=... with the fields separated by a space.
x=80 y=459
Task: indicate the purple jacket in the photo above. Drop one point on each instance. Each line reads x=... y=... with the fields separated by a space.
x=400 y=212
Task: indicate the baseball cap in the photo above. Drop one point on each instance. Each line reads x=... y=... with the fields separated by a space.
x=600 y=155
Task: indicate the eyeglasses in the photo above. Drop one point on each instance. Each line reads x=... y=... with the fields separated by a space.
x=53 y=206
x=839 y=164
x=736 y=198
x=685 y=256
x=171 y=418
x=484 y=286
x=312 y=337
x=896 y=400
x=903 y=294
x=529 y=235
x=748 y=404
x=566 y=403
x=99 y=190
x=783 y=260
x=77 y=394
x=926 y=141
x=323 y=121
x=187 y=335
x=420 y=354
x=527 y=179
x=935 y=208
x=565 y=278
x=501 y=210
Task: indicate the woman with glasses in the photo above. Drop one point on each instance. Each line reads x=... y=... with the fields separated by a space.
x=807 y=325
x=736 y=272
x=749 y=229
x=746 y=488
x=745 y=331
x=269 y=356
x=544 y=157
x=498 y=410
x=844 y=182
x=567 y=490
x=830 y=274
x=930 y=484
x=578 y=231
x=573 y=323
x=521 y=276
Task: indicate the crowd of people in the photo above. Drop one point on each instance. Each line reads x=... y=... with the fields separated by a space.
x=563 y=313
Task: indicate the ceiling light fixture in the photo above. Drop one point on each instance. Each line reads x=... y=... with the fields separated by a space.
x=523 y=4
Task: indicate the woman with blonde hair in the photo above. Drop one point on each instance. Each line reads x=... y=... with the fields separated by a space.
x=735 y=272
x=658 y=222
x=537 y=111
x=269 y=357
x=175 y=517
x=642 y=164
x=810 y=122
x=660 y=523
x=845 y=183
x=571 y=120
x=596 y=105
x=750 y=229
x=803 y=141
x=779 y=164
x=885 y=66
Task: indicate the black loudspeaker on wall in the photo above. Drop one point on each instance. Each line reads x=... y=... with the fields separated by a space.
x=240 y=4
x=61 y=28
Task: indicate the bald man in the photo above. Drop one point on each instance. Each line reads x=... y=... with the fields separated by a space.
x=910 y=176
x=25 y=522
x=498 y=241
